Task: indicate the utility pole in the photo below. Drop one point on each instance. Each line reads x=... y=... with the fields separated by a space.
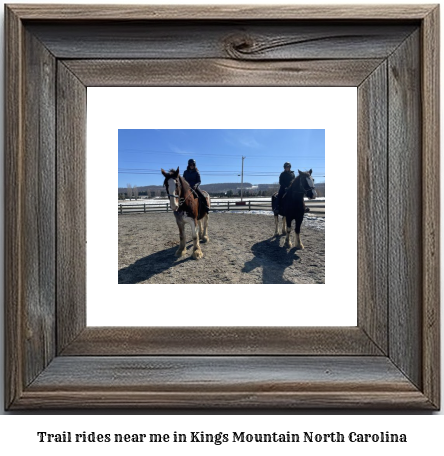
x=242 y=178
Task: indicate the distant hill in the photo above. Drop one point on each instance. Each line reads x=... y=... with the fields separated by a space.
x=151 y=188
x=220 y=188
x=320 y=189
x=217 y=188
x=156 y=190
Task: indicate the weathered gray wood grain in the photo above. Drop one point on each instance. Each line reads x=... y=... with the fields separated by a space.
x=30 y=206
x=372 y=207
x=346 y=398
x=221 y=72
x=405 y=209
x=14 y=362
x=39 y=207
x=127 y=341
x=407 y=377
x=170 y=373
x=220 y=12
x=233 y=382
x=234 y=40
x=71 y=206
x=430 y=93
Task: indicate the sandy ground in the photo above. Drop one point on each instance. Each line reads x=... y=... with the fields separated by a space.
x=242 y=249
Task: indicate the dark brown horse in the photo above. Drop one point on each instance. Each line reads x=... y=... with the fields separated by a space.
x=292 y=206
x=186 y=207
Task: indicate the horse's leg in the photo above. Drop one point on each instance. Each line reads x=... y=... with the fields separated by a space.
x=197 y=253
x=287 y=238
x=297 y=230
x=182 y=245
x=199 y=228
x=284 y=225
x=276 y=222
x=205 y=237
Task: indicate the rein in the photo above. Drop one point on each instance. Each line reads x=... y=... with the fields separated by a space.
x=182 y=200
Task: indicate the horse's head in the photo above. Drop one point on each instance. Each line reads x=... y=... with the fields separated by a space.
x=307 y=184
x=171 y=184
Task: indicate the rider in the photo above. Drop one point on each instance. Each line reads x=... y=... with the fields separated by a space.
x=192 y=176
x=284 y=181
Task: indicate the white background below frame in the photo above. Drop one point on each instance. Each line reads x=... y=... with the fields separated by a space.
x=331 y=304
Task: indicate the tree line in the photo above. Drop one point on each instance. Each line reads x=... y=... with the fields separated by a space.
x=227 y=190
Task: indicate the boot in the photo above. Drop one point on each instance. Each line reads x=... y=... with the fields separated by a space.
x=204 y=205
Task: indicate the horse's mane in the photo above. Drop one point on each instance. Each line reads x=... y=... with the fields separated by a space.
x=185 y=185
x=297 y=178
x=294 y=180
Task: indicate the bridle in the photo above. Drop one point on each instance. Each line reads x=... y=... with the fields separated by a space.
x=301 y=186
x=180 y=200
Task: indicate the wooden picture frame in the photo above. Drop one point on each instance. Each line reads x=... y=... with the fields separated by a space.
x=390 y=360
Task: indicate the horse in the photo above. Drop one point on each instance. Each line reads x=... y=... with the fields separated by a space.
x=292 y=206
x=186 y=207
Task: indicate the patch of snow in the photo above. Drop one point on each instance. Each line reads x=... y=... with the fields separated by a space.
x=311 y=221
x=317 y=223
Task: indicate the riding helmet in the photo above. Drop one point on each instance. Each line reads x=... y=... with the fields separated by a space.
x=287 y=164
x=192 y=162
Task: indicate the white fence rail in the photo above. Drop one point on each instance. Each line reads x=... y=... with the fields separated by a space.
x=216 y=206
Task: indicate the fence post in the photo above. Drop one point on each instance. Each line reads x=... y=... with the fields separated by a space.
x=228 y=205
x=249 y=205
x=167 y=206
x=144 y=207
x=121 y=211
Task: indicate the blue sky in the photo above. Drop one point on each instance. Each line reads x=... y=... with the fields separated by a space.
x=218 y=154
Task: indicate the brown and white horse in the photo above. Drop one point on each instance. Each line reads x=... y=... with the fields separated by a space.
x=185 y=205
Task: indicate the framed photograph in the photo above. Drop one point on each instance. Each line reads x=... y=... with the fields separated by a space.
x=59 y=56
x=247 y=254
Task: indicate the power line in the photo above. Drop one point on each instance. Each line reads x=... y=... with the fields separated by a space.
x=155 y=171
x=237 y=156
x=162 y=165
x=236 y=174
x=206 y=172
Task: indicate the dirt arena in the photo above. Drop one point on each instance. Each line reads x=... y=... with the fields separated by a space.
x=242 y=249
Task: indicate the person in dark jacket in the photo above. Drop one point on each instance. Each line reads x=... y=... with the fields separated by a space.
x=192 y=176
x=284 y=181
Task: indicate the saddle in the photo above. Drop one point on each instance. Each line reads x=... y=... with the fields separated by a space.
x=307 y=209
x=202 y=203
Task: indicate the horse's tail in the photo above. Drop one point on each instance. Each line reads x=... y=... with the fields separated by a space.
x=207 y=197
